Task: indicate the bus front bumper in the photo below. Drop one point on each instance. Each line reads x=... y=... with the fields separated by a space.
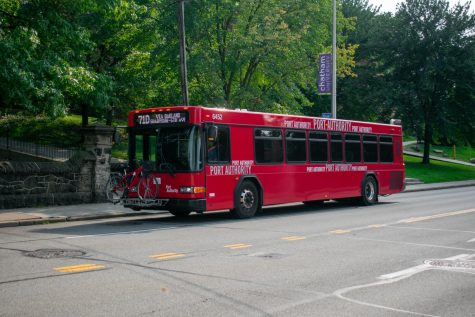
x=198 y=205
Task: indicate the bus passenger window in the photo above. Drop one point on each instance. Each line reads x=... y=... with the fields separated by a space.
x=386 y=149
x=295 y=145
x=336 y=148
x=370 y=148
x=318 y=147
x=352 y=148
x=268 y=146
x=218 y=150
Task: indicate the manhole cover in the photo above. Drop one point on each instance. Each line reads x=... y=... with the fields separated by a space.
x=451 y=264
x=54 y=253
x=268 y=255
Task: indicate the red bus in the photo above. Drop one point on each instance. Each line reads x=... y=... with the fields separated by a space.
x=197 y=159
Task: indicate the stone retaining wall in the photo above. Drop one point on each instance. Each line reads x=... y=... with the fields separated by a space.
x=31 y=184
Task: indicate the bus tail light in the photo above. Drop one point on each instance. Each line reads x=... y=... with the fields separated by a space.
x=192 y=190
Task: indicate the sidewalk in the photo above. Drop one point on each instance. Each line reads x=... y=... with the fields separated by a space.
x=43 y=215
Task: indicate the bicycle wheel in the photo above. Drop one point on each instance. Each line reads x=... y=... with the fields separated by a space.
x=147 y=189
x=115 y=188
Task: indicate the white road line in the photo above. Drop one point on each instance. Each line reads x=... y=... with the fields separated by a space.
x=417 y=269
x=116 y=233
x=473 y=240
x=393 y=278
x=428 y=229
x=411 y=243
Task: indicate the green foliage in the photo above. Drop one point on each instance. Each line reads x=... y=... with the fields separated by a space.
x=437 y=171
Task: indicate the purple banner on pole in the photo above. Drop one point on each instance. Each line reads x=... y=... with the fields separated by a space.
x=325 y=74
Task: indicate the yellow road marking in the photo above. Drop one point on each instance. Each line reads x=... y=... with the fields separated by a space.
x=376 y=226
x=167 y=256
x=447 y=214
x=238 y=246
x=293 y=238
x=340 y=231
x=79 y=268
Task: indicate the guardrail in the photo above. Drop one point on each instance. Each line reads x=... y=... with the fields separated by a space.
x=48 y=151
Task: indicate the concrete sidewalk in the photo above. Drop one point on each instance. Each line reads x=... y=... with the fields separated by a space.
x=44 y=215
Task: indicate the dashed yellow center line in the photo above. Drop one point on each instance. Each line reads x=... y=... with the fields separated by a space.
x=293 y=238
x=375 y=226
x=447 y=214
x=238 y=246
x=167 y=256
x=79 y=268
x=340 y=231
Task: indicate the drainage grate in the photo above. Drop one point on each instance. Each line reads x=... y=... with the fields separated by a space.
x=451 y=264
x=54 y=253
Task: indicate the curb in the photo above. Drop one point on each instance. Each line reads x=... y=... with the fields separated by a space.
x=49 y=220
x=43 y=221
x=413 y=190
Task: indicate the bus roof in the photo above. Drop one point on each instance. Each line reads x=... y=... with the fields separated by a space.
x=199 y=114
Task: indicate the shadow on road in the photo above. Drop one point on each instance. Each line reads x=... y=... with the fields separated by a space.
x=166 y=221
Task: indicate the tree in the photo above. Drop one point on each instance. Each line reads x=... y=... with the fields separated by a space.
x=259 y=55
x=430 y=54
x=368 y=95
x=43 y=50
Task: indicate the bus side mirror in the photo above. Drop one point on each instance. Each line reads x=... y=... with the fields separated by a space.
x=212 y=132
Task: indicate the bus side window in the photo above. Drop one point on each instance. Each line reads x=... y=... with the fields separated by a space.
x=336 y=147
x=386 y=149
x=370 y=148
x=353 y=148
x=217 y=145
x=268 y=146
x=295 y=145
x=318 y=147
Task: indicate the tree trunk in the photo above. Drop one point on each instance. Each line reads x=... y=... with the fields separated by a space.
x=427 y=139
x=84 y=114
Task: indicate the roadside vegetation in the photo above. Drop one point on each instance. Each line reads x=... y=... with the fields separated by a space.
x=460 y=152
x=437 y=171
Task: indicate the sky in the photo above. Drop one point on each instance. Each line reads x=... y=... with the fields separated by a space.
x=390 y=5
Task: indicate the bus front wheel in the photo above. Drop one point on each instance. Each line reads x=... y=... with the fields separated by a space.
x=246 y=200
x=369 y=191
x=180 y=213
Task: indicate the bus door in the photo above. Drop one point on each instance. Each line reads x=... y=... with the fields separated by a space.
x=219 y=182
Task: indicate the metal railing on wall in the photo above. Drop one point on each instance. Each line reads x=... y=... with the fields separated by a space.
x=56 y=152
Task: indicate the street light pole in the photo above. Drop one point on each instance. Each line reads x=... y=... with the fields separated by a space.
x=183 y=69
x=334 y=63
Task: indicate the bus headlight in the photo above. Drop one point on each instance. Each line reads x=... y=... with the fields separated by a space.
x=133 y=189
x=192 y=190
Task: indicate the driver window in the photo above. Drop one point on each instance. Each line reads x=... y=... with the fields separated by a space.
x=217 y=140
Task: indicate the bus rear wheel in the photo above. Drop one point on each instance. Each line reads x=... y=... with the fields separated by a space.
x=246 y=200
x=369 y=191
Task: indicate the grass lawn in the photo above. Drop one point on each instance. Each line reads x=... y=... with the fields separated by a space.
x=462 y=153
x=437 y=171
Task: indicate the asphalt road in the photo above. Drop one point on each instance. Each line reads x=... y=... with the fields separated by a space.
x=411 y=255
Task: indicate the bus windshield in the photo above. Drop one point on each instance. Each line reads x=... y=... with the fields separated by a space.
x=173 y=149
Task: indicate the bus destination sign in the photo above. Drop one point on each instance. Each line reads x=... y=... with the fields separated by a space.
x=158 y=118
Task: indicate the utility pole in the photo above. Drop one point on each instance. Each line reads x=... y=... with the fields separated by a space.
x=183 y=69
x=334 y=63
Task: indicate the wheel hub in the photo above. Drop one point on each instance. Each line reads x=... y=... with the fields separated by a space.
x=247 y=199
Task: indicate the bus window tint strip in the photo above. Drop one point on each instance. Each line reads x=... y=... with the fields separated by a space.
x=295 y=146
x=268 y=147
